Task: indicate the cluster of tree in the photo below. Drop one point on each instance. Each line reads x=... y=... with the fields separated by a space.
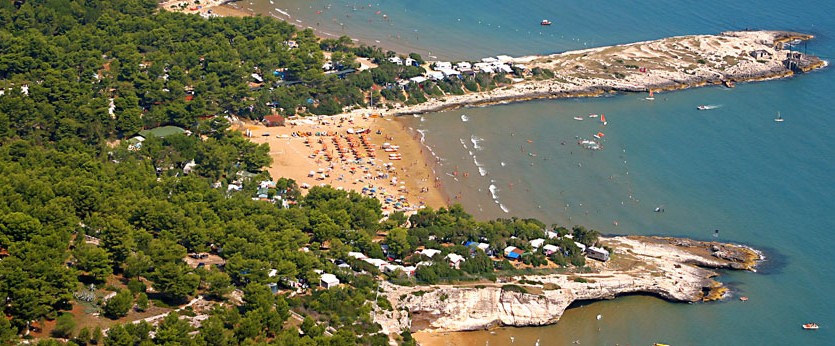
x=448 y=229
x=77 y=207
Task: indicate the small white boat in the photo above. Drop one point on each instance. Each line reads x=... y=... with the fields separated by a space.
x=779 y=118
x=578 y=118
x=545 y=22
x=651 y=96
x=593 y=115
x=811 y=326
x=702 y=108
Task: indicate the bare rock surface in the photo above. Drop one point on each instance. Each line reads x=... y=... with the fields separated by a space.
x=674 y=269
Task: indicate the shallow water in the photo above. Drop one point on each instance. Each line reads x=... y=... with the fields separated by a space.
x=731 y=168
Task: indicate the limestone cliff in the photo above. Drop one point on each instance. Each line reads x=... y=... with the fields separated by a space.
x=671 y=268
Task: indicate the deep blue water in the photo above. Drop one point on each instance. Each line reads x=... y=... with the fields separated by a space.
x=732 y=168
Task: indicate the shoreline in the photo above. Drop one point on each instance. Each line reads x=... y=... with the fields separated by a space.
x=672 y=269
x=306 y=150
x=661 y=65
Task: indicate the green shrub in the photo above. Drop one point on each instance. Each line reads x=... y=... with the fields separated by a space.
x=64 y=326
x=514 y=288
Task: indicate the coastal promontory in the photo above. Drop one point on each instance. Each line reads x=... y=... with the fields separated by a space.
x=665 y=64
x=675 y=269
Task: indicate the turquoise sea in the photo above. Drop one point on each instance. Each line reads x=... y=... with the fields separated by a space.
x=732 y=168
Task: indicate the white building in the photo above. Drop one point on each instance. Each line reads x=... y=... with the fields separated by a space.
x=396 y=60
x=448 y=72
x=536 y=243
x=429 y=252
x=442 y=65
x=597 y=253
x=581 y=246
x=455 y=260
x=549 y=249
x=328 y=281
x=357 y=255
x=485 y=67
x=380 y=264
x=418 y=79
x=436 y=75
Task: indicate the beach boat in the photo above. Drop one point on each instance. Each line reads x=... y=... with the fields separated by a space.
x=603 y=119
x=545 y=22
x=651 y=95
x=810 y=326
x=578 y=118
x=779 y=118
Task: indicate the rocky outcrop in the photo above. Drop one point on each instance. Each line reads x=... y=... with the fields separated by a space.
x=671 y=63
x=671 y=268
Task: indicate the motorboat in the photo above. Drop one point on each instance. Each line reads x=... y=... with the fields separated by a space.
x=593 y=115
x=578 y=118
x=702 y=107
x=545 y=22
x=810 y=326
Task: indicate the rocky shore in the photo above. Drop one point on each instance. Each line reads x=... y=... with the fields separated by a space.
x=674 y=269
x=660 y=65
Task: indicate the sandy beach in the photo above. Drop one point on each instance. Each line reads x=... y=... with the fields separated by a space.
x=387 y=162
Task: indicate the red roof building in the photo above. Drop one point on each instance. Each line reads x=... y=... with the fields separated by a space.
x=274 y=120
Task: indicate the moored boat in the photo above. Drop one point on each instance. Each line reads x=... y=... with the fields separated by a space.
x=810 y=326
x=779 y=118
x=545 y=22
x=578 y=118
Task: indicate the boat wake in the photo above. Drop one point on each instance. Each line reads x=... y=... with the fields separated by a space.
x=476 y=141
x=494 y=193
x=481 y=170
x=282 y=12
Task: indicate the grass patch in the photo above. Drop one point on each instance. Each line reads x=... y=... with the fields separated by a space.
x=514 y=288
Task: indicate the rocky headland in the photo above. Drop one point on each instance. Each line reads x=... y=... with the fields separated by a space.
x=675 y=269
x=659 y=65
